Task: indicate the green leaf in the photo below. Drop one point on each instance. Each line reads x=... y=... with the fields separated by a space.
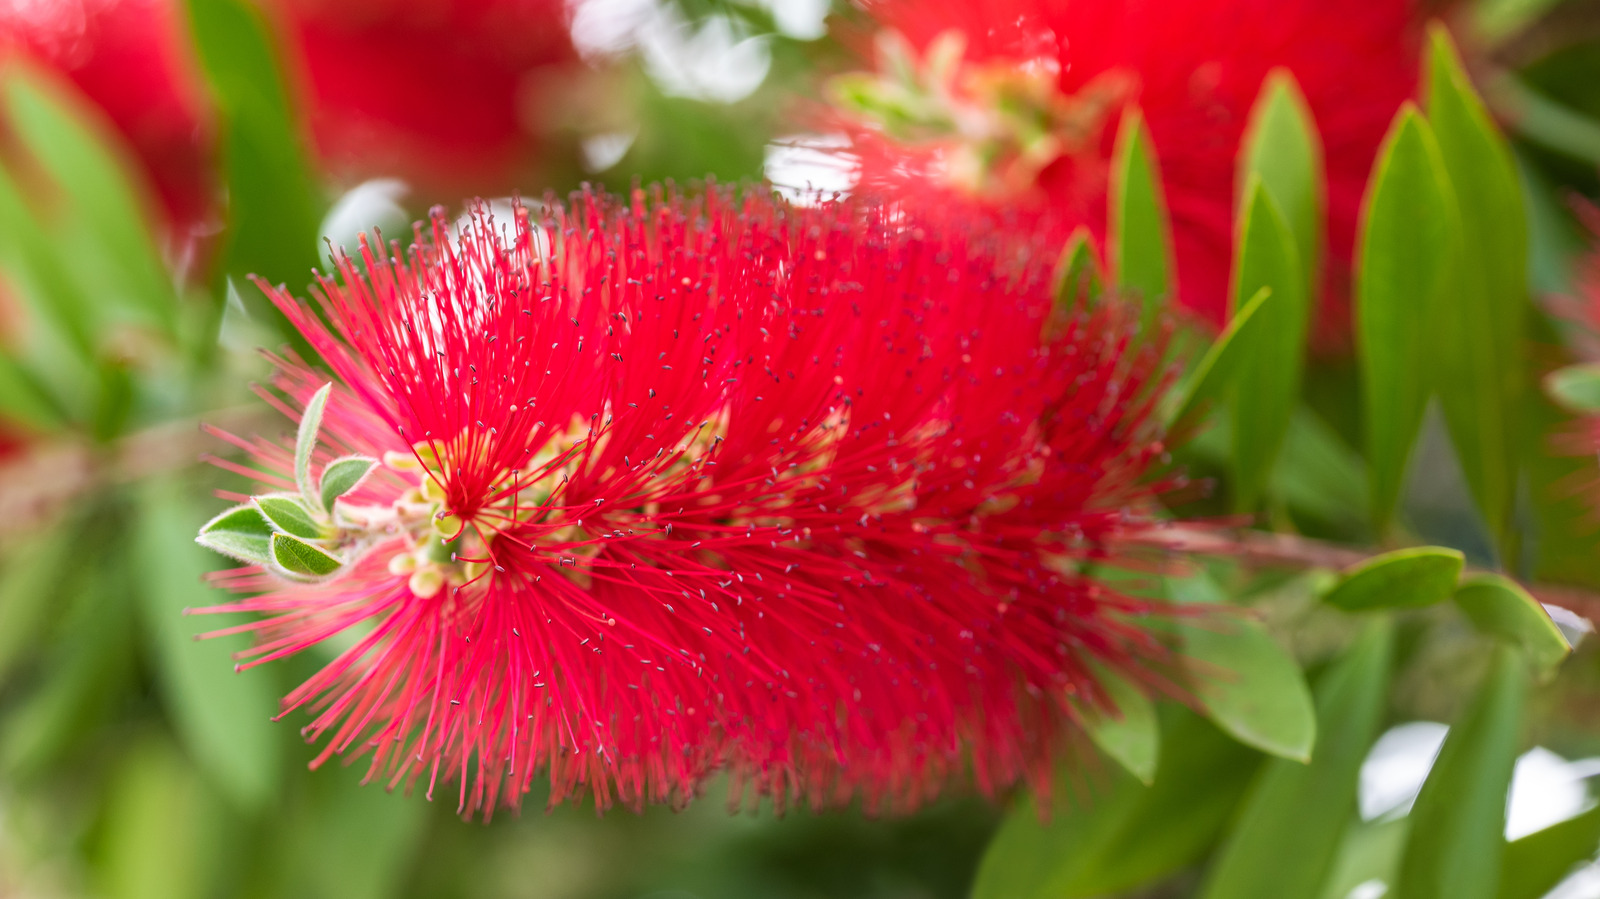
x=1106 y=844
x=1288 y=834
x=290 y=514
x=1370 y=850
x=1282 y=148
x=1268 y=382
x=1576 y=387
x=158 y=826
x=1458 y=822
x=1500 y=608
x=343 y=475
x=1245 y=681
x=1221 y=365
x=1079 y=282
x=1403 y=579
x=1480 y=330
x=108 y=207
x=1406 y=242
x=241 y=532
x=305 y=442
x=1140 y=232
x=1127 y=731
x=223 y=717
x=1534 y=864
x=295 y=556
x=243 y=519
x=30 y=585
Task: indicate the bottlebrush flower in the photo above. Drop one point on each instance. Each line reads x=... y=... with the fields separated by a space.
x=445 y=93
x=131 y=59
x=1048 y=79
x=700 y=483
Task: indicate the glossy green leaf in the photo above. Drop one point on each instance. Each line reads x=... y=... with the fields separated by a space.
x=1283 y=149
x=305 y=442
x=1534 y=864
x=1499 y=607
x=1576 y=387
x=112 y=212
x=1140 y=233
x=343 y=475
x=289 y=514
x=1127 y=731
x=295 y=556
x=1220 y=367
x=1079 y=282
x=1268 y=382
x=1404 y=249
x=1459 y=819
x=223 y=717
x=1248 y=684
x=1106 y=842
x=1287 y=838
x=1402 y=579
x=1480 y=326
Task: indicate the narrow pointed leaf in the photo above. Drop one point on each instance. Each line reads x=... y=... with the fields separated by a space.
x=1500 y=608
x=298 y=557
x=1405 y=245
x=290 y=515
x=1283 y=149
x=1248 y=684
x=1268 y=382
x=1128 y=732
x=1576 y=387
x=1220 y=367
x=1078 y=278
x=1480 y=332
x=1403 y=579
x=1140 y=233
x=306 y=442
x=1458 y=822
x=1289 y=832
x=343 y=475
x=1537 y=862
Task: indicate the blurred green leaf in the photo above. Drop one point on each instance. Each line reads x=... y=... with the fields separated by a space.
x=354 y=840
x=1287 y=837
x=1502 y=609
x=1458 y=822
x=1576 y=387
x=1370 y=850
x=108 y=206
x=159 y=835
x=1281 y=146
x=1402 y=579
x=1405 y=246
x=1079 y=280
x=224 y=717
x=1316 y=472
x=1220 y=367
x=274 y=205
x=1480 y=330
x=1128 y=731
x=1101 y=845
x=1248 y=684
x=1140 y=233
x=30 y=586
x=1535 y=863
x=1268 y=380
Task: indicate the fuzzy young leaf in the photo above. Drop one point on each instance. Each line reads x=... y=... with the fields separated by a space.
x=1403 y=579
x=1576 y=387
x=241 y=532
x=1459 y=820
x=1268 y=382
x=297 y=557
x=1141 y=233
x=1128 y=731
x=1283 y=149
x=1407 y=240
x=306 y=442
x=1502 y=609
x=290 y=515
x=343 y=475
x=1289 y=831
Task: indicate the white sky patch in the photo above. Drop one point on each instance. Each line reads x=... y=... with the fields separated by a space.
x=602 y=151
x=803 y=20
x=1394 y=770
x=805 y=166
x=370 y=204
x=716 y=60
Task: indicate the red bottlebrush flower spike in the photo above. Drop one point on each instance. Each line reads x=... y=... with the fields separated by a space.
x=702 y=483
x=1054 y=75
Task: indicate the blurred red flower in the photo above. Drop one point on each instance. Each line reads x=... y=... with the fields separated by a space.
x=1195 y=67
x=695 y=483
